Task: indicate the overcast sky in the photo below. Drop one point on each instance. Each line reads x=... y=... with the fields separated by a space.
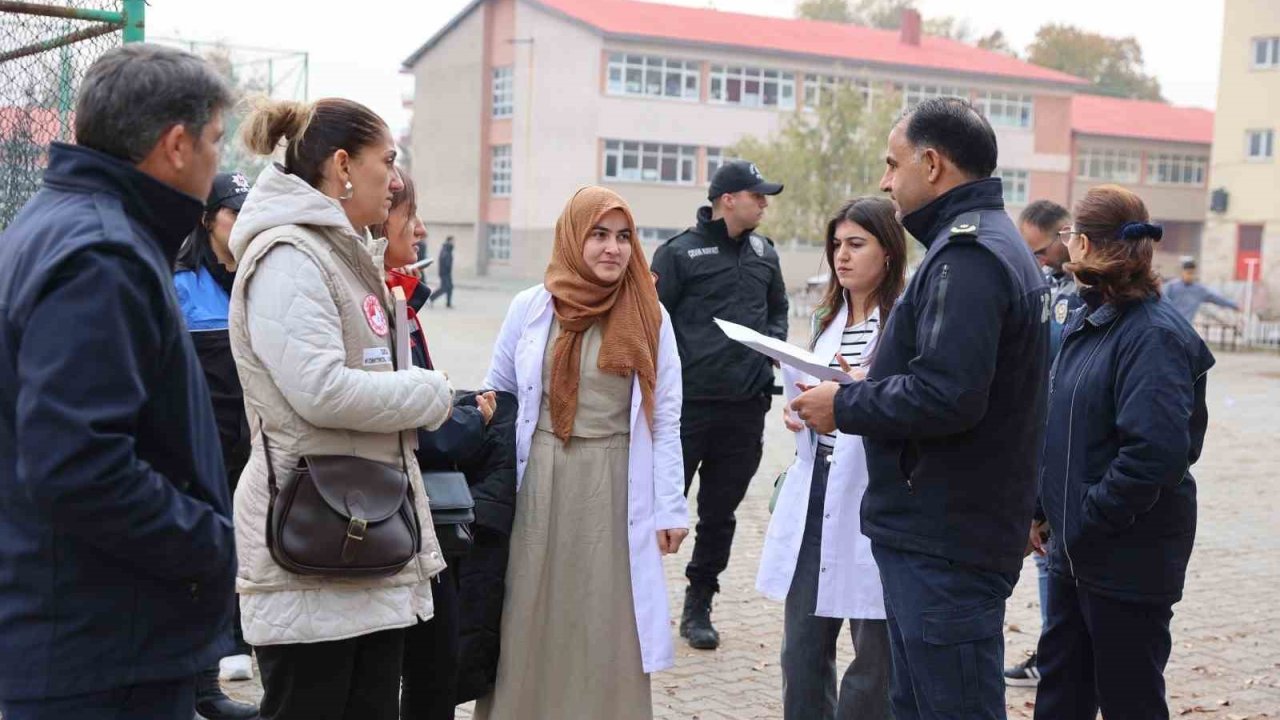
x=356 y=52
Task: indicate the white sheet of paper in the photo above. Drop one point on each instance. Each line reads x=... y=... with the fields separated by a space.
x=785 y=353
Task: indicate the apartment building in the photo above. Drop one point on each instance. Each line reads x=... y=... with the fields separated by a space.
x=1159 y=151
x=1242 y=228
x=519 y=102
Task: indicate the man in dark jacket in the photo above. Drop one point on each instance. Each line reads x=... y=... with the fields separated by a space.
x=117 y=556
x=951 y=414
x=445 y=263
x=721 y=268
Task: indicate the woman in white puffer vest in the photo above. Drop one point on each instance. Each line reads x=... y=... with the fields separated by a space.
x=311 y=332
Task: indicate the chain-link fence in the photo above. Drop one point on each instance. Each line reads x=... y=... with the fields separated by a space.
x=45 y=49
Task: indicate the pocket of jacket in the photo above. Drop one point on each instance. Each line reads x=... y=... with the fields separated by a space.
x=955 y=641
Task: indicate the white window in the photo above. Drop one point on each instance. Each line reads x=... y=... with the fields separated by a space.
x=915 y=93
x=499 y=244
x=716 y=158
x=654 y=235
x=1112 y=165
x=1173 y=169
x=817 y=87
x=503 y=92
x=500 y=171
x=653 y=76
x=1266 y=52
x=1006 y=109
x=752 y=87
x=1260 y=144
x=1015 y=186
x=649 y=162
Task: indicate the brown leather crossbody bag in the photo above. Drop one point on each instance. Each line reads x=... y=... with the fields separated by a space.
x=342 y=516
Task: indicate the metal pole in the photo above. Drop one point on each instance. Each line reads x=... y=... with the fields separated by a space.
x=1252 y=264
x=27 y=8
x=135 y=15
x=65 y=83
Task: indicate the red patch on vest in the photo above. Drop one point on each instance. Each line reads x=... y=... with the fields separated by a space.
x=376 y=316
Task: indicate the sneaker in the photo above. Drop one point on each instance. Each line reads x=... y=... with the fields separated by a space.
x=235 y=667
x=1024 y=674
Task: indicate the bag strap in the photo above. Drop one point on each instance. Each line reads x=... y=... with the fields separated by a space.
x=271 y=468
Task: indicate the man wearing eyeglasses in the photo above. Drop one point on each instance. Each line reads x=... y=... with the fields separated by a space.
x=1044 y=225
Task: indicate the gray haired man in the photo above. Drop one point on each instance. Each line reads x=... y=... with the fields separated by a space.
x=117 y=555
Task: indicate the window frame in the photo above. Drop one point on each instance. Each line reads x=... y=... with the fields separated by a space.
x=1014 y=178
x=817 y=85
x=1023 y=103
x=500 y=170
x=1270 y=45
x=665 y=67
x=721 y=75
x=1177 y=166
x=1130 y=158
x=1269 y=134
x=502 y=87
x=498 y=242
x=649 y=156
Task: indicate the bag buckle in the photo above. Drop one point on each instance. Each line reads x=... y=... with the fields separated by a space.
x=356 y=528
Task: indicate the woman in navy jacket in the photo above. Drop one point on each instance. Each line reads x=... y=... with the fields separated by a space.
x=1126 y=421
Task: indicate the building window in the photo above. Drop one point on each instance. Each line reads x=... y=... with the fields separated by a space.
x=499 y=244
x=1266 y=52
x=649 y=162
x=503 y=92
x=654 y=235
x=1260 y=144
x=915 y=93
x=817 y=87
x=653 y=76
x=753 y=87
x=716 y=158
x=1168 y=169
x=1015 y=186
x=1006 y=109
x=1112 y=165
x=500 y=171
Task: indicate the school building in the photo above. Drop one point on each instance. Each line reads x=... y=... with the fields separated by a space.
x=520 y=102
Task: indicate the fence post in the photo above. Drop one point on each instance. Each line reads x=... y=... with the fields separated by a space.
x=1252 y=263
x=135 y=15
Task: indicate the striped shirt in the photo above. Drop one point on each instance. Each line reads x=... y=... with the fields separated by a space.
x=853 y=343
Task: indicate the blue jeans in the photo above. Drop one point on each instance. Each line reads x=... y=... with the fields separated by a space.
x=946 y=635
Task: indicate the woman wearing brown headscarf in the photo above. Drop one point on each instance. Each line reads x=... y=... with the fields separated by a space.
x=592 y=357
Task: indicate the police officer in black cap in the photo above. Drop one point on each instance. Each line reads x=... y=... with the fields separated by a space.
x=721 y=268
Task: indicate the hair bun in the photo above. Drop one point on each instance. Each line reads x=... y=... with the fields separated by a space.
x=271 y=121
x=1141 y=231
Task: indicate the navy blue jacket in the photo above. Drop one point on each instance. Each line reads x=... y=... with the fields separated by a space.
x=952 y=410
x=117 y=556
x=1127 y=418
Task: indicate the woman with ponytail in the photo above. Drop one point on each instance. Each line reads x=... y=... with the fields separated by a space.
x=591 y=355
x=312 y=331
x=1126 y=422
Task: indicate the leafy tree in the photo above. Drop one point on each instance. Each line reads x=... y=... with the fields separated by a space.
x=882 y=14
x=824 y=158
x=828 y=10
x=1113 y=65
x=949 y=26
x=996 y=42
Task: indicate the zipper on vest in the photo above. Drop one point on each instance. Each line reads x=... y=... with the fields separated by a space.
x=943 y=281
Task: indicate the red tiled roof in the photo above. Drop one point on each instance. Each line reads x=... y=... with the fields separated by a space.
x=1143 y=119
x=802 y=37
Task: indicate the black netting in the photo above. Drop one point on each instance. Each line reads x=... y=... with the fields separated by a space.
x=42 y=60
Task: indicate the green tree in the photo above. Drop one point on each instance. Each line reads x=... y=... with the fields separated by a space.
x=828 y=10
x=949 y=26
x=996 y=42
x=1113 y=65
x=824 y=158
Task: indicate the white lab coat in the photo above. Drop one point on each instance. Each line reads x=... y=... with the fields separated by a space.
x=849 y=582
x=655 y=497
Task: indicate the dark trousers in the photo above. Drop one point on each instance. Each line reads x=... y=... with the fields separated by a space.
x=445 y=289
x=1098 y=653
x=809 y=642
x=946 y=633
x=430 y=675
x=171 y=700
x=356 y=679
x=723 y=443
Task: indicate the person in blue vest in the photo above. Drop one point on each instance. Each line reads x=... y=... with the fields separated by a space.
x=951 y=415
x=117 y=552
x=205 y=272
x=1044 y=225
x=1127 y=419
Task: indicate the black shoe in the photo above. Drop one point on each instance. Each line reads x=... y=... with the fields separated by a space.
x=213 y=704
x=695 y=624
x=1024 y=674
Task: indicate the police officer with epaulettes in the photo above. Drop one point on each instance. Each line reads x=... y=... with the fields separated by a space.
x=721 y=268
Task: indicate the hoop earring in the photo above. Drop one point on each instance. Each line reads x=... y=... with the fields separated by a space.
x=350 y=192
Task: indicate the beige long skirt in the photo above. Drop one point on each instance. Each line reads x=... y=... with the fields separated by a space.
x=570 y=649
